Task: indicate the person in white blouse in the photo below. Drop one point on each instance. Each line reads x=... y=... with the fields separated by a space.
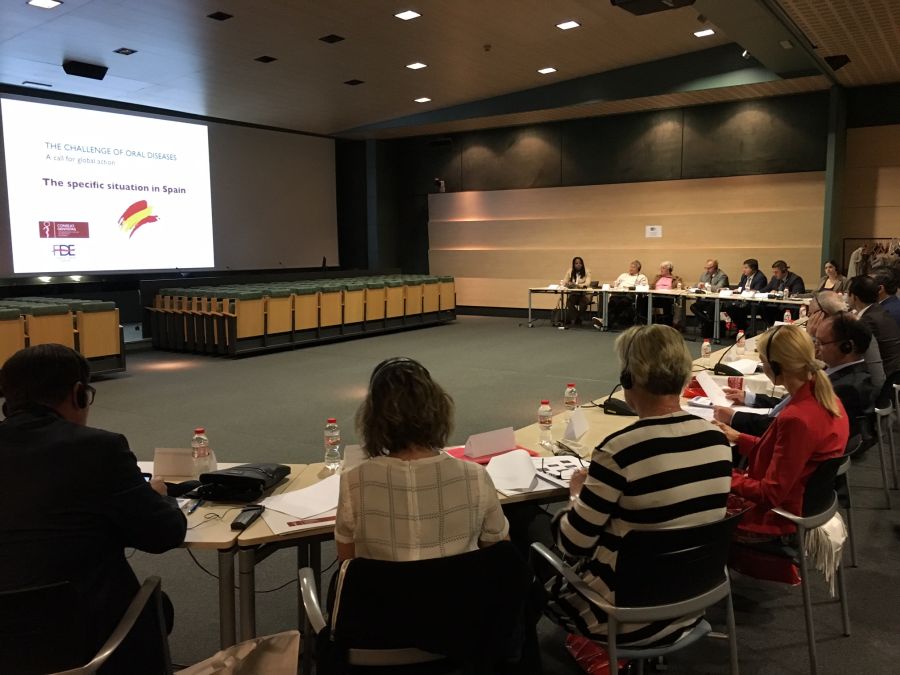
x=622 y=308
x=409 y=500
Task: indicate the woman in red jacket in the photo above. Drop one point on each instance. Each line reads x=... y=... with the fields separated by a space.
x=811 y=428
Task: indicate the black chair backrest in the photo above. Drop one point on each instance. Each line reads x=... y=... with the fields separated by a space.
x=659 y=567
x=468 y=606
x=819 y=492
x=41 y=630
x=885 y=397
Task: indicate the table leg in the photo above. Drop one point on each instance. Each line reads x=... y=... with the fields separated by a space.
x=247 y=576
x=649 y=309
x=717 y=313
x=226 y=598
x=605 y=301
x=530 y=321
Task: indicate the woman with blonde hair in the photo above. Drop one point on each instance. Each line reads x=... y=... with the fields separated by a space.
x=811 y=428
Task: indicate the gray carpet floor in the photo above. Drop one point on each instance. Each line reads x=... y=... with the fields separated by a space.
x=273 y=407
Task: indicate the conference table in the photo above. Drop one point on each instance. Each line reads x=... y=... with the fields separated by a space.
x=680 y=296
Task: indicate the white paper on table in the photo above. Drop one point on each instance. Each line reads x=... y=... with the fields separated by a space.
x=354 y=455
x=701 y=402
x=752 y=411
x=490 y=442
x=725 y=293
x=712 y=389
x=281 y=523
x=557 y=470
x=702 y=413
x=746 y=366
x=605 y=287
x=577 y=425
x=552 y=287
x=512 y=471
x=307 y=502
x=642 y=289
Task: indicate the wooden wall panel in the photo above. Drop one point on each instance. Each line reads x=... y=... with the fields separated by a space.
x=496 y=244
x=871 y=200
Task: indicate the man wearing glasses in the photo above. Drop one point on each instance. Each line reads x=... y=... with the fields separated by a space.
x=73 y=498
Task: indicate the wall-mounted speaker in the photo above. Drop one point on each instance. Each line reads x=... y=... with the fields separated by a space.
x=82 y=69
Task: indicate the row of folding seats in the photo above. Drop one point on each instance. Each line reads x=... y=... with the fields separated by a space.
x=239 y=319
x=89 y=326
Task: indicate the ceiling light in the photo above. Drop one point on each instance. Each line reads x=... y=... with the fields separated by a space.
x=706 y=32
x=786 y=44
x=125 y=51
x=547 y=70
x=568 y=25
x=407 y=15
x=416 y=66
x=45 y=4
x=745 y=54
x=46 y=280
x=424 y=99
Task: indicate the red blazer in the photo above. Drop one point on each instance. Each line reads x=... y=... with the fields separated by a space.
x=782 y=459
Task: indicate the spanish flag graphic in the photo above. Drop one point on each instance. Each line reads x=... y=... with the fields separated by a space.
x=136 y=215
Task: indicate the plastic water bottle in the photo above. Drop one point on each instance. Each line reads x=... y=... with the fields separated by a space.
x=740 y=343
x=705 y=352
x=787 y=316
x=201 y=454
x=332 y=445
x=570 y=397
x=545 y=420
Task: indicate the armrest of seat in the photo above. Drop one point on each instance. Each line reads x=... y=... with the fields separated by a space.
x=810 y=522
x=572 y=578
x=310 y=597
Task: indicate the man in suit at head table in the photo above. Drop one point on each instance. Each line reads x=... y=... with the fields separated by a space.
x=73 y=499
x=751 y=280
x=711 y=281
x=788 y=284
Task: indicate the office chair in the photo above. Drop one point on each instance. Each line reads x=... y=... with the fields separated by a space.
x=660 y=575
x=43 y=631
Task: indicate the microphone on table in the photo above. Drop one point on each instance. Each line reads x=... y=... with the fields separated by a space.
x=723 y=369
x=616 y=406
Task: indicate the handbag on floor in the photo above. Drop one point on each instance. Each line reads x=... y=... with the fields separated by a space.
x=591 y=657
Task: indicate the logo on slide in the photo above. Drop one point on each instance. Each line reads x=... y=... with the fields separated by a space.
x=52 y=229
x=136 y=215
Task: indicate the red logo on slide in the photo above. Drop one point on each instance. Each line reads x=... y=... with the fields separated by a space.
x=136 y=215
x=52 y=229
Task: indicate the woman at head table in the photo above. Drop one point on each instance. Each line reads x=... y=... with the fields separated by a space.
x=811 y=428
x=577 y=276
x=833 y=279
x=668 y=469
x=409 y=500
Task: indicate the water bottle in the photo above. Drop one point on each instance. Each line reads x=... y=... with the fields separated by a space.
x=705 y=352
x=787 y=316
x=740 y=343
x=332 y=445
x=570 y=397
x=545 y=420
x=200 y=452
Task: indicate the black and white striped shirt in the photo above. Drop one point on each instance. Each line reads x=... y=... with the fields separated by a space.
x=661 y=472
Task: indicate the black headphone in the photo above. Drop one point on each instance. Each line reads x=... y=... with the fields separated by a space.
x=81 y=398
x=393 y=363
x=774 y=365
x=846 y=345
x=625 y=378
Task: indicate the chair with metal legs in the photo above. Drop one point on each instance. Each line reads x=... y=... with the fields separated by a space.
x=882 y=417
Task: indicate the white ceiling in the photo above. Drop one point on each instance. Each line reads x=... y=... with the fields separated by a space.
x=474 y=50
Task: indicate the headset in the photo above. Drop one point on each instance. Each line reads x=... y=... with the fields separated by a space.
x=393 y=363
x=625 y=378
x=774 y=365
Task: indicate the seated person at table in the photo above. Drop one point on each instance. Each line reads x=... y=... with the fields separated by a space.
x=711 y=281
x=410 y=501
x=74 y=499
x=622 y=307
x=833 y=279
x=886 y=281
x=577 y=276
x=841 y=342
x=785 y=282
x=751 y=280
x=830 y=304
x=811 y=428
x=664 y=281
x=668 y=469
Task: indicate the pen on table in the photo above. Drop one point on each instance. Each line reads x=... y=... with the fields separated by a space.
x=196 y=505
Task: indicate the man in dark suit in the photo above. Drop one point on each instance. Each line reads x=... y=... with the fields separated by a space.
x=887 y=291
x=785 y=282
x=841 y=342
x=862 y=296
x=751 y=280
x=73 y=498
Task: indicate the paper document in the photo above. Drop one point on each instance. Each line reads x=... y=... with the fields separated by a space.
x=512 y=471
x=702 y=413
x=557 y=470
x=307 y=502
x=577 y=425
x=701 y=402
x=280 y=523
x=712 y=389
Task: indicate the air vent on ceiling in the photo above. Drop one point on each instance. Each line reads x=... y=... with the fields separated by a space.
x=641 y=7
x=220 y=16
x=265 y=59
x=82 y=69
x=331 y=39
x=353 y=83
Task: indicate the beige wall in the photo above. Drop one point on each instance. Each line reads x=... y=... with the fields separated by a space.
x=871 y=200
x=497 y=244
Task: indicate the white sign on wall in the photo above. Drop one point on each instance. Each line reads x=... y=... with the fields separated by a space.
x=653 y=232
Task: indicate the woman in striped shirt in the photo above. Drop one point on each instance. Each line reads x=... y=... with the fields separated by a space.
x=668 y=469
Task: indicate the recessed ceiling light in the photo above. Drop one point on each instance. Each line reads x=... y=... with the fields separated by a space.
x=416 y=66
x=568 y=25
x=31 y=83
x=265 y=59
x=547 y=70
x=332 y=38
x=423 y=99
x=125 y=51
x=706 y=32
x=220 y=16
x=354 y=83
x=786 y=44
x=407 y=15
x=45 y=4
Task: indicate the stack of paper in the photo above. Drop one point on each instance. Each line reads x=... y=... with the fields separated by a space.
x=308 y=507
